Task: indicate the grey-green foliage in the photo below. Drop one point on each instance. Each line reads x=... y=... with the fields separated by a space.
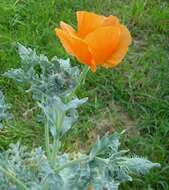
x=32 y=168
x=4 y=110
x=105 y=167
x=53 y=77
x=51 y=82
x=54 y=108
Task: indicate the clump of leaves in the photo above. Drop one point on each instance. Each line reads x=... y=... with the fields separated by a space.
x=105 y=167
x=45 y=77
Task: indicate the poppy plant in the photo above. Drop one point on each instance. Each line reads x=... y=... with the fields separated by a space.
x=98 y=41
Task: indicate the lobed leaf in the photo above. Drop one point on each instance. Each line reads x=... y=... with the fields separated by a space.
x=55 y=77
x=138 y=165
x=105 y=145
x=60 y=116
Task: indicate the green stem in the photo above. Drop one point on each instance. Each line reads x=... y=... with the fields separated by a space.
x=60 y=117
x=81 y=79
x=47 y=143
x=54 y=152
x=58 y=169
x=82 y=76
x=17 y=181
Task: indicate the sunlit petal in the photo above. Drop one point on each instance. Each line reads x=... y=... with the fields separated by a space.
x=88 y=22
x=120 y=52
x=111 y=21
x=102 y=42
x=66 y=27
x=75 y=46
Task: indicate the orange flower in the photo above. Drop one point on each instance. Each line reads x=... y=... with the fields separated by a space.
x=99 y=40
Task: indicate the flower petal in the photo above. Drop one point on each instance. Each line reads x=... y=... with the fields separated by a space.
x=102 y=42
x=111 y=21
x=65 y=40
x=88 y=22
x=75 y=46
x=118 y=55
x=66 y=27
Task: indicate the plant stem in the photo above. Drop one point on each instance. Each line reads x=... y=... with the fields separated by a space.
x=82 y=76
x=71 y=163
x=81 y=79
x=60 y=118
x=55 y=147
x=54 y=152
x=17 y=181
x=47 y=140
x=58 y=169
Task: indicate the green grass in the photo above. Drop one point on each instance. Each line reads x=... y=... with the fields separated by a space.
x=139 y=86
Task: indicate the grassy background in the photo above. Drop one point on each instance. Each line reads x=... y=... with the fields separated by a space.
x=135 y=95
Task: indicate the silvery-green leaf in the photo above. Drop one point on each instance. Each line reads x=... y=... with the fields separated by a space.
x=55 y=109
x=138 y=165
x=75 y=103
x=69 y=121
x=4 y=110
x=16 y=74
x=37 y=187
x=70 y=105
x=52 y=182
x=55 y=77
x=28 y=57
x=76 y=177
x=63 y=159
x=51 y=114
x=101 y=183
x=105 y=145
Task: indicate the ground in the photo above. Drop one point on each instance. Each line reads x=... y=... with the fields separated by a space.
x=133 y=96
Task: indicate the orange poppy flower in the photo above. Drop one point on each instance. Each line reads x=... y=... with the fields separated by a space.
x=98 y=41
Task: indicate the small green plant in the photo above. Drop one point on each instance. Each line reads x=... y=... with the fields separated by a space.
x=4 y=113
x=53 y=85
